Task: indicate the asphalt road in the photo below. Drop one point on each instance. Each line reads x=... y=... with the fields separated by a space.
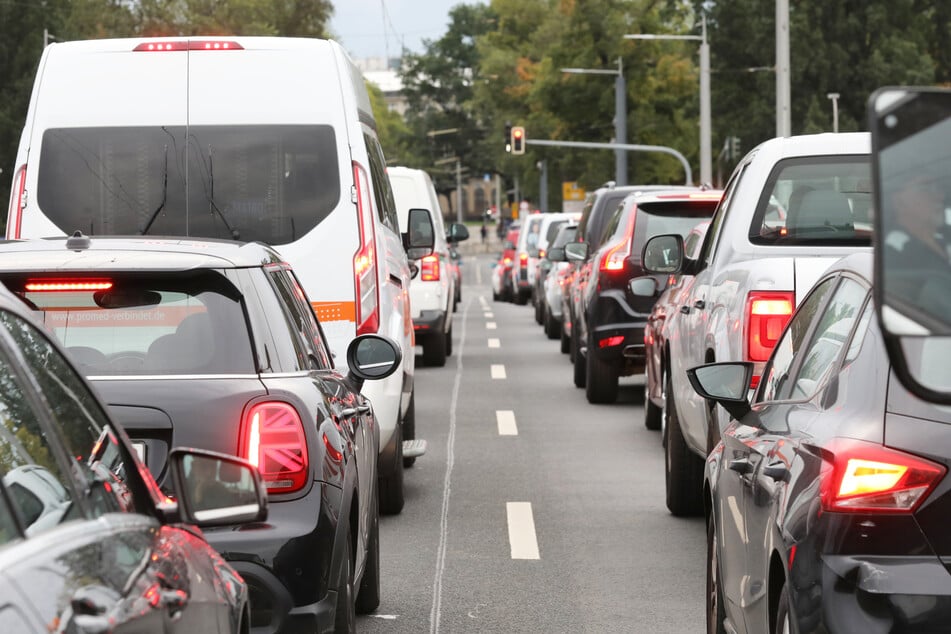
x=558 y=524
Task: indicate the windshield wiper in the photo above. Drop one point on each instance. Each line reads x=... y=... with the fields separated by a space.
x=211 y=196
x=161 y=206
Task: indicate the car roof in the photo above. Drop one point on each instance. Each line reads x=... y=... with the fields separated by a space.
x=132 y=253
x=680 y=193
x=859 y=264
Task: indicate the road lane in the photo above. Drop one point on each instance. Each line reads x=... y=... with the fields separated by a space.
x=612 y=558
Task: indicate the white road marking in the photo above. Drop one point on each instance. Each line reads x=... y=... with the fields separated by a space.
x=436 y=612
x=522 y=538
x=490 y=325
x=506 y=421
x=494 y=343
x=498 y=371
x=385 y=617
x=489 y=316
x=479 y=275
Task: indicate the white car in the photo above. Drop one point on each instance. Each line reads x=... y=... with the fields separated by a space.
x=537 y=271
x=555 y=280
x=177 y=136
x=755 y=266
x=523 y=282
x=432 y=291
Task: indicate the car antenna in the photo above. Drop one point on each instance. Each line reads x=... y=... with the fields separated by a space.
x=144 y=230
x=77 y=241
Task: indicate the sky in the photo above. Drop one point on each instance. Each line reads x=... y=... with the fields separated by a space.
x=376 y=28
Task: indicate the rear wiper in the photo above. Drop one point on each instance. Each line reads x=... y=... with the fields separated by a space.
x=161 y=206
x=211 y=196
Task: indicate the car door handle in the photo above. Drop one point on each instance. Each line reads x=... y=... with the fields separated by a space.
x=699 y=304
x=742 y=466
x=685 y=310
x=776 y=471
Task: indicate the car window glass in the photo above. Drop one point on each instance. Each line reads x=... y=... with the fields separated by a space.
x=775 y=384
x=295 y=319
x=85 y=430
x=859 y=337
x=713 y=231
x=302 y=315
x=819 y=358
x=815 y=200
x=382 y=191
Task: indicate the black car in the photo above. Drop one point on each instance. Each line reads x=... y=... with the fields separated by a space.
x=609 y=323
x=213 y=344
x=827 y=498
x=88 y=543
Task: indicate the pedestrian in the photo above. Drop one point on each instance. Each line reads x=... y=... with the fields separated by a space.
x=484 y=231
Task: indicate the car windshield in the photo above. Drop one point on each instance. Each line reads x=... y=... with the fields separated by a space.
x=171 y=325
x=816 y=201
x=267 y=183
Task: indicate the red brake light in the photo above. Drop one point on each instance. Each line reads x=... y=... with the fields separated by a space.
x=273 y=440
x=15 y=216
x=609 y=342
x=766 y=315
x=51 y=285
x=613 y=258
x=429 y=269
x=523 y=259
x=188 y=45
x=506 y=261
x=867 y=477
x=364 y=261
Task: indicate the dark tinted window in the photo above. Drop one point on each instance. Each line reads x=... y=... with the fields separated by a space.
x=382 y=190
x=307 y=338
x=191 y=324
x=266 y=183
x=600 y=216
x=815 y=200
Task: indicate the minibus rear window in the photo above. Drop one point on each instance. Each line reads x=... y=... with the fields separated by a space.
x=270 y=183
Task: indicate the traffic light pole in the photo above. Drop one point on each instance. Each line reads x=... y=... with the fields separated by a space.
x=621 y=147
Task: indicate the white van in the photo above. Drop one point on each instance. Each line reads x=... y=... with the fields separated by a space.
x=245 y=138
x=433 y=290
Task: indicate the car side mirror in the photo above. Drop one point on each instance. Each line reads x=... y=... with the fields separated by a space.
x=664 y=254
x=215 y=489
x=457 y=232
x=576 y=251
x=370 y=358
x=724 y=383
x=643 y=286
x=556 y=254
x=419 y=239
x=911 y=160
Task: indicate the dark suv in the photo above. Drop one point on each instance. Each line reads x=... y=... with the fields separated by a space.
x=616 y=298
x=213 y=344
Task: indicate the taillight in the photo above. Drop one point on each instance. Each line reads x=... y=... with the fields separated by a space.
x=273 y=440
x=58 y=285
x=766 y=316
x=541 y=253
x=613 y=258
x=15 y=215
x=364 y=262
x=610 y=342
x=506 y=261
x=522 y=260
x=867 y=477
x=429 y=268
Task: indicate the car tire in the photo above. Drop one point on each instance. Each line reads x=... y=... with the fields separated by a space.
x=368 y=598
x=552 y=326
x=716 y=613
x=391 y=484
x=682 y=469
x=449 y=342
x=565 y=341
x=345 y=619
x=539 y=313
x=409 y=427
x=573 y=342
x=520 y=299
x=601 y=383
x=434 y=350
x=580 y=372
x=653 y=415
x=784 y=619
x=496 y=297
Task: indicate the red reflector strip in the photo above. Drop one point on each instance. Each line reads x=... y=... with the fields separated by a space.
x=611 y=341
x=67 y=285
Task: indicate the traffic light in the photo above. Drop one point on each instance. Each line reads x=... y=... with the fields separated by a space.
x=508 y=136
x=518 y=140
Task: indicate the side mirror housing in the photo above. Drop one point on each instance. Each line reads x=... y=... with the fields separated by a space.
x=576 y=251
x=370 y=358
x=664 y=254
x=457 y=232
x=215 y=489
x=419 y=239
x=724 y=383
x=643 y=286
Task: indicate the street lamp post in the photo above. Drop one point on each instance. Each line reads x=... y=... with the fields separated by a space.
x=435 y=133
x=620 y=114
x=706 y=144
x=834 y=96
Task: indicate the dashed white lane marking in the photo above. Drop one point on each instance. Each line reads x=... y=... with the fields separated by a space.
x=498 y=371
x=522 y=538
x=489 y=316
x=490 y=325
x=494 y=343
x=506 y=421
x=479 y=275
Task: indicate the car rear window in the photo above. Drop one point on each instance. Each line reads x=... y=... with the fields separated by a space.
x=659 y=218
x=815 y=201
x=260 y=182
x=152 y=325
